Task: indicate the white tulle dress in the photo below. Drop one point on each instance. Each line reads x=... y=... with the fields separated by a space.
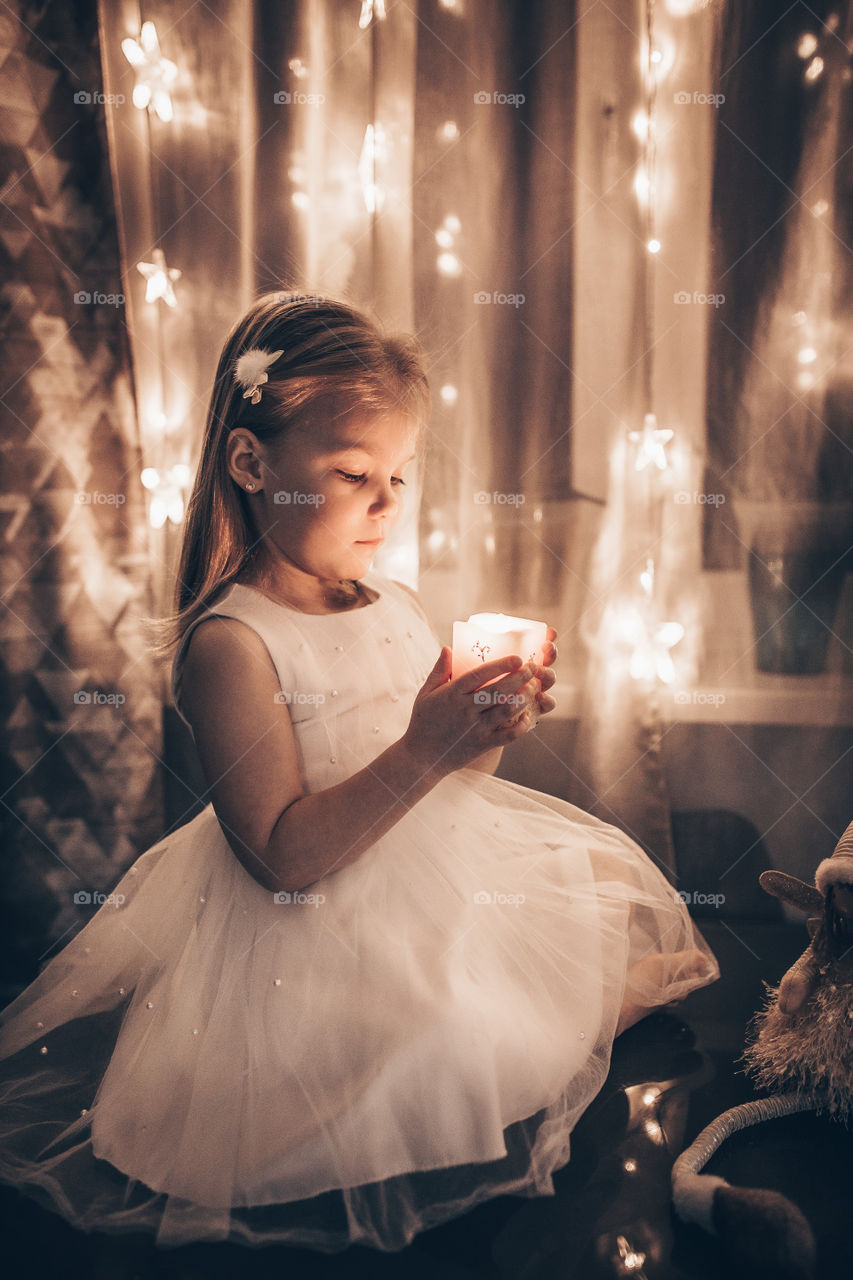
x=415 y=1033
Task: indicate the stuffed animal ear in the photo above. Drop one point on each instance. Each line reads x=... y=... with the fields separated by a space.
x=791 y=890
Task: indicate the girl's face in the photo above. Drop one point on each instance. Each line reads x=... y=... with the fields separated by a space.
x=332 y=492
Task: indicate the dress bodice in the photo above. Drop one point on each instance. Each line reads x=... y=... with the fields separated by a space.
x=348 y=679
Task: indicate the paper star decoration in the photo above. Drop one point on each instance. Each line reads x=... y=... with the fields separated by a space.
x=159 y=278
x=651 y=441
x=155 y=75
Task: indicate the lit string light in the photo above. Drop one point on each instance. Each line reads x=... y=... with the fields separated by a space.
x=372 y=149
x=649 y=638
x=167 y=491
x=651 y=441
x=448 y=262
x=159 y=278
x=155 y=75
x=371 y=9
x=155 y=78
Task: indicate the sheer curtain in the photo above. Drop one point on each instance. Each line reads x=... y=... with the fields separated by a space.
x=443 y=166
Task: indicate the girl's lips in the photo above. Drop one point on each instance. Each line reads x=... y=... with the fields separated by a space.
x=370 y=542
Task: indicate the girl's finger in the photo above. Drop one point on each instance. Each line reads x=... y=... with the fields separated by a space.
x=547 y=677
x=487 y=671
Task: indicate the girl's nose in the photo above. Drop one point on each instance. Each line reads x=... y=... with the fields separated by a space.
x=386 y=498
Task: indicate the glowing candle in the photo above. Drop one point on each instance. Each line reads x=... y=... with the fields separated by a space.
x=486 y=636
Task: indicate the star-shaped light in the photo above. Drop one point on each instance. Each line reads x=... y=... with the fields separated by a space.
x=167 y=502
x=371 y=9
x=651 y=441
x=155 y=75
x=650 y=655
x=159 y=278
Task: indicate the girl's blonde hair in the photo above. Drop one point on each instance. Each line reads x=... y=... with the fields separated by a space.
x=337 y=360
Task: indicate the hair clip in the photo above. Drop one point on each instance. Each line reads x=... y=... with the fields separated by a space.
x=250 y=371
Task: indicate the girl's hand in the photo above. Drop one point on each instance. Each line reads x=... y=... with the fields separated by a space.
x=546 y=677
x=455 y=721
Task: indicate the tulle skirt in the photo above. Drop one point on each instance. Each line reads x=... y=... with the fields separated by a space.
x=407 y=1037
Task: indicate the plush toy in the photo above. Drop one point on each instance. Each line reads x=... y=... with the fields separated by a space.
x=800 y=1049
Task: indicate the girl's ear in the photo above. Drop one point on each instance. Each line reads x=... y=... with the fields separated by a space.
x=791 y=890
x=242 y=452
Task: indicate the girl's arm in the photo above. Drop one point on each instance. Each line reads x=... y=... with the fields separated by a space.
x=246 y=746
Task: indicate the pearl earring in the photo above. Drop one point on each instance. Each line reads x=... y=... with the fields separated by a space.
x=250 y=485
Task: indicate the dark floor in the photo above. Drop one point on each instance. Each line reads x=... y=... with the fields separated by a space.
x=601 y=1211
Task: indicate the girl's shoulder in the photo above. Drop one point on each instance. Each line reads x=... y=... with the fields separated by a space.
x=242 y=629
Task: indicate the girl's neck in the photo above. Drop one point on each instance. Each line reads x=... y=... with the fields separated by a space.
x=327 y=595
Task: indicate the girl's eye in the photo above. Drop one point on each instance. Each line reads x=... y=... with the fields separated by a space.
x=353 y=479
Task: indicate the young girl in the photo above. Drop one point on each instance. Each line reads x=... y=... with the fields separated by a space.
x=370 y=985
